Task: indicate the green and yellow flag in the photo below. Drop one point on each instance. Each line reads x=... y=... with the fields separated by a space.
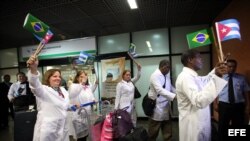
x=35 y=26
x=199 y=38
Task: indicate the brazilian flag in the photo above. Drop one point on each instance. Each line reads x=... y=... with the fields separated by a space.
x=199 y=38
x=35 y=26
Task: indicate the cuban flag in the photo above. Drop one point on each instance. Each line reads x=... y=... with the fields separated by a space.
x=47 y=37
x=228 y=29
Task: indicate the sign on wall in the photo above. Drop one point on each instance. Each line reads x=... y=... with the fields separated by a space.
x=61 y=49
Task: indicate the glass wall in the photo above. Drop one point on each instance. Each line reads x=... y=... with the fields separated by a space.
x=11 y=72
x=9 y=63
x=151 y=42
x=179 y=39
x=113 y=43
x=8 y=58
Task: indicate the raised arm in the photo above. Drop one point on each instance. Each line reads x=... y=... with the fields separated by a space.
x=138 y=74
x=33 y=76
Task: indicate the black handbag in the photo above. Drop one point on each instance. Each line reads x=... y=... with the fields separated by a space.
x=148 y=105
x=137 y=93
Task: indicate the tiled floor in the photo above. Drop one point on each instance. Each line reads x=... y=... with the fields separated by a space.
x=7 y=134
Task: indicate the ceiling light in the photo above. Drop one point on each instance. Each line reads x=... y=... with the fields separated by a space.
x=150 y=49
x=110 y=41
x=132 y=4
x=148 y=43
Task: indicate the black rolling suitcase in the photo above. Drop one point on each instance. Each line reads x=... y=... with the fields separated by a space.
x=24 y=123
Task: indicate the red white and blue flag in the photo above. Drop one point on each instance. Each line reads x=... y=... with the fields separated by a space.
x=46 y=38
x=228 y=29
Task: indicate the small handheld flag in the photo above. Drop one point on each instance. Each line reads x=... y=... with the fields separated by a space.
x=199 y=38
x=86 y=58
x=35 y=25
x=39 y=29
x=228 y=29
x=132 y=50
x=225 y=30
x=47 y=37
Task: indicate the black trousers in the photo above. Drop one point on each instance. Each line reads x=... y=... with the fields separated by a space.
x=4 y=114
x=234 y=113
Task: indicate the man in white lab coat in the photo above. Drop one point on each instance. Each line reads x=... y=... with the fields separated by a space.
x=161 y=89
x=194 y=95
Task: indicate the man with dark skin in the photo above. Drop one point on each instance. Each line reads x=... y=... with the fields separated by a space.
x=233 y=102
x=195 y=94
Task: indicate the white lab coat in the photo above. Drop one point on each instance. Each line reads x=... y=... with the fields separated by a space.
x=78 y=94
x=167 y=94
x=194 y=94
x=52 y=112
x=125 y=96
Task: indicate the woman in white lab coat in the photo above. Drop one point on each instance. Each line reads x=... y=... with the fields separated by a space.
x=53 y=103
x=125 y=93
x=80 y=91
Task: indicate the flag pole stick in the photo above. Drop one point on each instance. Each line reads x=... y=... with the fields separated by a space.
x=219 y=42
x=39 y=48
x=133 y=59
x=216 y=44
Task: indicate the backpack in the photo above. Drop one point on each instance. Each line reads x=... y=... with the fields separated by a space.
x=148 y=105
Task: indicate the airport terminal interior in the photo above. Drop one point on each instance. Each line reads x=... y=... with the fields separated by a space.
x=104 y=37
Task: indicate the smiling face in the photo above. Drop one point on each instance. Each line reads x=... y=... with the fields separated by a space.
x=55 y=79
x=52 y=78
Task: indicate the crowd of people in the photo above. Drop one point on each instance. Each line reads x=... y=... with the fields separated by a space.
x=57 y=106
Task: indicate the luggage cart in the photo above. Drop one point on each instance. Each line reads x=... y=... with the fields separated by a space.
x=89 y=119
